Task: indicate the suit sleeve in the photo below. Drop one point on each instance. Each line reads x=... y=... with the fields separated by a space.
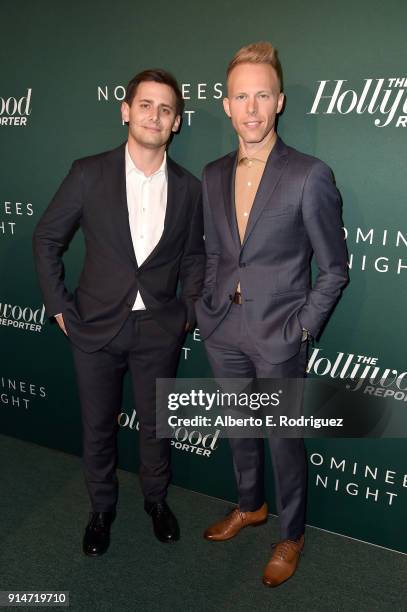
x=51 y=237
x=192 y=265
x=321 y=210
x=212 y=246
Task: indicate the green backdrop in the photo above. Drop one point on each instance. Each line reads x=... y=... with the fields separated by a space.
x=63 y=69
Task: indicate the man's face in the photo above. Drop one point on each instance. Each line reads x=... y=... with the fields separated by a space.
x=254 y=99
x=152 y=115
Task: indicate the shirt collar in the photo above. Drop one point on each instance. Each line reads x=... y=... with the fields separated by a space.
x=130 y=165
x=260 y=155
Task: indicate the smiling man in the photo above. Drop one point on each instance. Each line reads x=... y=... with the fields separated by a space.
x=141 y=216
x=267 y=209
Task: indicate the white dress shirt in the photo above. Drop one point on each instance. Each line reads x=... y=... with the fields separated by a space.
x=147 y=203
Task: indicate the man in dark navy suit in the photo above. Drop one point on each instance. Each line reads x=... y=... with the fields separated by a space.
x=267 y=209
x=141 y=215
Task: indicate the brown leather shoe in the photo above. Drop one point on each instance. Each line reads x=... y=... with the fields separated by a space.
x=234 y=522
x=283 y=562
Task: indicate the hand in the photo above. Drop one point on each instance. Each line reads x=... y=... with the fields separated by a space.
x=60 y=320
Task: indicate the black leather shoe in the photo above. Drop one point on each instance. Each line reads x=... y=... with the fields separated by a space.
x=165 y=524
x=97 y=533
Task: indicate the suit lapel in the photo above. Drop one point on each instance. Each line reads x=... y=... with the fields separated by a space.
x=275 y=166
x=114 y=176
x=175 y=195
x=228 y=184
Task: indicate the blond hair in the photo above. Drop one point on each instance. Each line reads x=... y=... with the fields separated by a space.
x=257 y=53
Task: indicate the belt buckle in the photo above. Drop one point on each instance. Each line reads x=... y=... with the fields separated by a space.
x=236 y=298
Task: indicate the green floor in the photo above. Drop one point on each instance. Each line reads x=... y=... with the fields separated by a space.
x=43 y=510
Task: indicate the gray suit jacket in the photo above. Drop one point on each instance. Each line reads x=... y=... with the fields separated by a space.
x=296 y=213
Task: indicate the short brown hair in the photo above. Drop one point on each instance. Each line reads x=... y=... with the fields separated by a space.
x=257 y=53
x=158 y=76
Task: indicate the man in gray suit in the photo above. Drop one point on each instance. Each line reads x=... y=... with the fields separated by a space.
x=268 y=208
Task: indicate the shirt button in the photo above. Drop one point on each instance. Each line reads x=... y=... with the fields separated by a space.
x=249 y=184
x=245 y=214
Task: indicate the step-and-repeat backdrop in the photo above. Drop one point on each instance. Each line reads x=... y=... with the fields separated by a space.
x=64 y=68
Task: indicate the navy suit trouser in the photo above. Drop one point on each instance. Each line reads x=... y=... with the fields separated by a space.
x=232 y=354
x=148 y=352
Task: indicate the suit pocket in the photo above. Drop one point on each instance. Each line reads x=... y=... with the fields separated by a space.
x=278 y=211
x=300 y=292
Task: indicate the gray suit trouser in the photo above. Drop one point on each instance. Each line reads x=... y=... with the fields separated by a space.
x=232 y=354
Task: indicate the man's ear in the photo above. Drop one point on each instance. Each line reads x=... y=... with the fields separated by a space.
x=280 y=102
x=125 y=110
x=177 y=123
x=226 y=106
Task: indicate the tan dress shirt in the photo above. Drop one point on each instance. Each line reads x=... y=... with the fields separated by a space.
x=249 y=171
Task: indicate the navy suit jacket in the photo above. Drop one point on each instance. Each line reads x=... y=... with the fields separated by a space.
x=296 y=214
x=93 y=197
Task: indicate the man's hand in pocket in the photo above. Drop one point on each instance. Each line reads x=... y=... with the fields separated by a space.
x=60 y=320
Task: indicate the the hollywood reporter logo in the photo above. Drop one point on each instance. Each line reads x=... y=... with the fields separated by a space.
x=190 y=441
x=386 y=97
x=22 y=317
x=15 y=111
x=361 y=373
